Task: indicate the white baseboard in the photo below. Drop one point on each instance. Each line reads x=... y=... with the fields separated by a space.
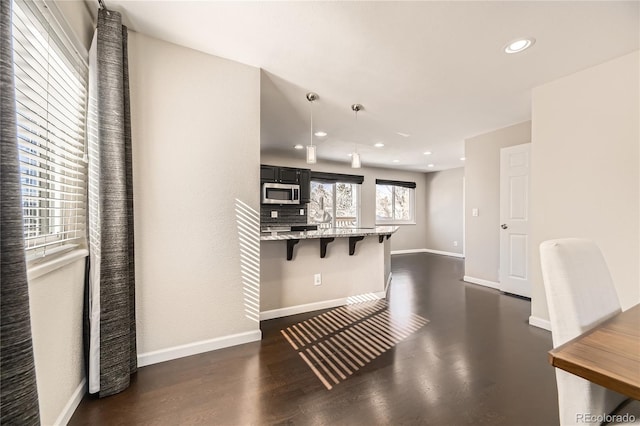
x=479 y=281
x=72 y=404
x=540 y=323
x=181 y=351
x=443 y=253
x=410 y=251
x=316 y=306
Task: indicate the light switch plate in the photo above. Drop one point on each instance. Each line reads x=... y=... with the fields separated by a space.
x=301 y=212
x=474 y=212
x=274 y=214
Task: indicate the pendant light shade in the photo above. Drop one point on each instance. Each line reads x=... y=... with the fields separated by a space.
x=355 y=161
x=311 y=154
x=311 y=149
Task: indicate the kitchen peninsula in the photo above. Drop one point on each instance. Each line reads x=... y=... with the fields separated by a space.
x=326 y=268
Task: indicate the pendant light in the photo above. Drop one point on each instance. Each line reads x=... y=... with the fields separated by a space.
x=355 y=157
x=311 y=149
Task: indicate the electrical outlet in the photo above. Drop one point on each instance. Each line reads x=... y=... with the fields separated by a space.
x=455 y=244
x=274 y=214
x=317 y=279
x=301 y=212
x=474 y=212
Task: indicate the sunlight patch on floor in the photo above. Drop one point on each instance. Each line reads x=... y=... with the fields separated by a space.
x=339 y=342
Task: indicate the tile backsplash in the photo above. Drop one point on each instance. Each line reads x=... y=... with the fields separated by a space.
x=286 y=214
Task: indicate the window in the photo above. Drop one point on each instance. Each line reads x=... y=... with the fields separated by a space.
x=395 y=202
x=334 y=204
x=51 y=79
x=335 y=200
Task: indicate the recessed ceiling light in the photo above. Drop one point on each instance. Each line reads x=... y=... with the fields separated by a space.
x=462 y=158
x=519 y=45
x=404 y=135
x=378 y=145
x=430 y=165
x=320 y=134
x=427 y=153
x=298 y=146
x=396 y=161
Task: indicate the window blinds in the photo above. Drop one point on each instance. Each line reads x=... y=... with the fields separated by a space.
x=336 y=177
x=396 y=183
x=50 y=80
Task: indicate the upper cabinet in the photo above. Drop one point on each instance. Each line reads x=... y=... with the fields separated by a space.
x=279 y=174
x=268 y=173
x=288 y=175
x=282 y=174
x=305 y=186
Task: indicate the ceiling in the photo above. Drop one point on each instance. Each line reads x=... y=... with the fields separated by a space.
x=435 y=71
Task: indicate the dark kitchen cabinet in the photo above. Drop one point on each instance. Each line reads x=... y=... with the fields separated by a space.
x=305 y=185
x=288 y=175
x=279 y=174
x=268 y=173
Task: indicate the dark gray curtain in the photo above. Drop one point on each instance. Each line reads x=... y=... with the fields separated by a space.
x=112 y=353
x=18 y=391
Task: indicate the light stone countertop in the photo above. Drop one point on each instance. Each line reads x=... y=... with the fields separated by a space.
x=328 y=233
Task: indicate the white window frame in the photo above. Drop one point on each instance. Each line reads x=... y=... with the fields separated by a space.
x=45 y=250
x=412 y=207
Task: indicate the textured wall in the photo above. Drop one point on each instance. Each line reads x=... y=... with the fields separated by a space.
x=290 y=283
x=444 y=193
x=585 y=170
x=482 y=191
x=56 y=320
x=196 y=149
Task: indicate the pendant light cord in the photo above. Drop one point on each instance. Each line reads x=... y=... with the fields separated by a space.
x=311 y=128
x=357 y=128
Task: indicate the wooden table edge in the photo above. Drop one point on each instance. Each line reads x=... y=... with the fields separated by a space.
x=616 y=384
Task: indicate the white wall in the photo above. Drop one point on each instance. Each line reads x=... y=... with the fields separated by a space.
x=196 y=149
x=56 y=301
x=482 y=191
x=286 y=284
x=585 y=170
x=408 y=237
x=444 y=194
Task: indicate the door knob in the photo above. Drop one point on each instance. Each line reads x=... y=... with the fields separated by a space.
x=504 y=226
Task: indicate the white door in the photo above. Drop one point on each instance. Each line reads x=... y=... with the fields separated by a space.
x=514 y=220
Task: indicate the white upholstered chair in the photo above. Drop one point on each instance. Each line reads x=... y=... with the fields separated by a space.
x=580 y=295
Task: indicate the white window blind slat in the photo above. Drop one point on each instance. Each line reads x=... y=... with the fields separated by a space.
x=51 y=93
x=43 y=110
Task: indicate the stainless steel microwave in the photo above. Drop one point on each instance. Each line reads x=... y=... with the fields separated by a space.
x=280 y=193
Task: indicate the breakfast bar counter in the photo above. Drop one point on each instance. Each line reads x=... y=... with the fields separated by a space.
x=327 y=236
x=328 y=233
x=329 y=267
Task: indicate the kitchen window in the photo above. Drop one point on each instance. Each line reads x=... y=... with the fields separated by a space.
x=335 y=200
x=395 y=202
x=51 y=86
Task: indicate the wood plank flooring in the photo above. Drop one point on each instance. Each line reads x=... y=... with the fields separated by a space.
x=477 y=362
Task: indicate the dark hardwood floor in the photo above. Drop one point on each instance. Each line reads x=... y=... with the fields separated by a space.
x=477 y=362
